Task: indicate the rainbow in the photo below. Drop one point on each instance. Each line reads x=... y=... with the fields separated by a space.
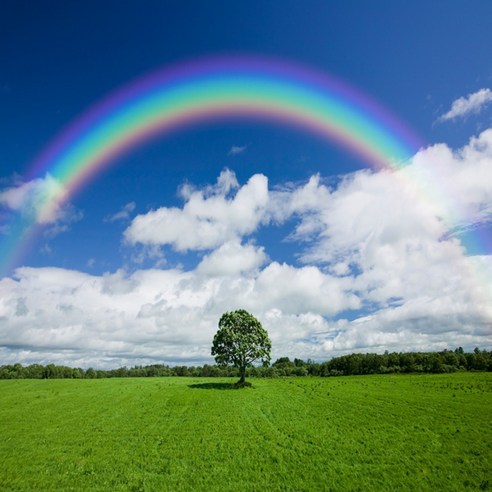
x=210 y=90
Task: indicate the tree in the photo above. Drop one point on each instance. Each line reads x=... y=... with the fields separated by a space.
x=240 y=341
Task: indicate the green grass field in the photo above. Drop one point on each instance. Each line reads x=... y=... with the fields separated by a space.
x=417 y=432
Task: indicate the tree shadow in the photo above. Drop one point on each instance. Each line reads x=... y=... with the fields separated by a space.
x=217 y=386
x=212 y=386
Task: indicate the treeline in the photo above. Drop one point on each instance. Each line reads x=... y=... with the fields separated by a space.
x=408 y=362
x=353 y=364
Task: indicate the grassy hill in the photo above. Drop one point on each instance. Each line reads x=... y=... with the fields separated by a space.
x=406 y=432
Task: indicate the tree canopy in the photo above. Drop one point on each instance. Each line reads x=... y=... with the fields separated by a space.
x=240 y=341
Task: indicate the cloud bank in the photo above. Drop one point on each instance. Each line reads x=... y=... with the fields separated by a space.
x=379 y=267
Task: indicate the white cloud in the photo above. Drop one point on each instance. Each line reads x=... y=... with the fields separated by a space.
x=300 y=200
x=168 y=315
x=440 y=192
x=40 y=201
x=384 y=272
x=30 y=199
x=232 y=258
x=226 y=183
x=146 y=252
x=459 y=183
x=209 y=217
x=421 y=324
x=236 y=149
x=473 y=103
x=302 y=290
x=123 y=214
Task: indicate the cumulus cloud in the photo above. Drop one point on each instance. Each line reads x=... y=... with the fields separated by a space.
x=298 y=200
x=420 y=324
x=232 y=258
x=458 y=183
x=148 y=252
x=209 y=217
x=305 y=289
x=226 y=183
x=471 y=104
x=377 y=218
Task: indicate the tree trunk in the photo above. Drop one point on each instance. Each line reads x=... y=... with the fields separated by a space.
x=242 y=374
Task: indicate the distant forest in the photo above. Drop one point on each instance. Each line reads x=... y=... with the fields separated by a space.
x=354 y=364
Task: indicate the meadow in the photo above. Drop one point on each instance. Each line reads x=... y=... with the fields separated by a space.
x=392 y=432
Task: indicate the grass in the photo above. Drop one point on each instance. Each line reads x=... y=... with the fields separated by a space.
x=417 y=432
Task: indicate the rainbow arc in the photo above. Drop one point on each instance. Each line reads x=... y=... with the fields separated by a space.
x=211 y=90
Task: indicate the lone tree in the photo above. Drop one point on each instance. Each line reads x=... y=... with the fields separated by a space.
x=240 y=341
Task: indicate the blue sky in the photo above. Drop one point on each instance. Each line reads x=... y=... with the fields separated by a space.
x=324 y=270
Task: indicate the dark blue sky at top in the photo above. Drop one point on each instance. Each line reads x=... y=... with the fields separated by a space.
x=58 y=57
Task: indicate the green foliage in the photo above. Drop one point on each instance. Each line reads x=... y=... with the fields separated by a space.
x=410 y=362
x=384 y=433
x=240 y=341
x=285 y=367
x=347 y=365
